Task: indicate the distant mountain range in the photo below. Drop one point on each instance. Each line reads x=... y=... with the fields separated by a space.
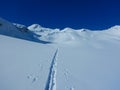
x=41 y=34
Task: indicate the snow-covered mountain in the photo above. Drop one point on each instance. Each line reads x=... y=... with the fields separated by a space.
x=69 y=35
x=39 y=58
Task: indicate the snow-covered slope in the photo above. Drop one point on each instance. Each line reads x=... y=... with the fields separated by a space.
x=17 y=31
x=74 y=60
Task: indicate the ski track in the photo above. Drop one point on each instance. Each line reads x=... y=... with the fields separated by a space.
x=51 y=81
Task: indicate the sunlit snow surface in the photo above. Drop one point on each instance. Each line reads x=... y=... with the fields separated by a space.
x=62 y=60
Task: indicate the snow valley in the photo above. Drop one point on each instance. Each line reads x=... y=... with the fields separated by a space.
x=39 y=58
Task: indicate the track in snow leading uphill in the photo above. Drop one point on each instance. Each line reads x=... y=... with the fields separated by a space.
x=51 y=81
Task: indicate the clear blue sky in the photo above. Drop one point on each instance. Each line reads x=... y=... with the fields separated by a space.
x=91 y=14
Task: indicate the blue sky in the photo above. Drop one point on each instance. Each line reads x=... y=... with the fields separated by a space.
x=91 y=14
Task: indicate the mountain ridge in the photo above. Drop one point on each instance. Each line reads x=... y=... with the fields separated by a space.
x=37 y=33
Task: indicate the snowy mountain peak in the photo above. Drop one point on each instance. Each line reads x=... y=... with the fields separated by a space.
x=116 y=27
x=35 y=27
x=115 y=30
x=67 y=29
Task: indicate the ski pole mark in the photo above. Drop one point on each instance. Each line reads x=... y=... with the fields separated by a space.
x=34 y=79
x=51 y=82
x=66 y=73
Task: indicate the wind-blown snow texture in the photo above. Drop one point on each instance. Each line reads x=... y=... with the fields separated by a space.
x=86 y=59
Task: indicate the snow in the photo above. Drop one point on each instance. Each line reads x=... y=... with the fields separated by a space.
x=71 y=60
x=51 y=82
x=24 y=65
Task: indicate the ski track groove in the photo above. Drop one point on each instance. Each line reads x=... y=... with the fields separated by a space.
x=51 y=81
